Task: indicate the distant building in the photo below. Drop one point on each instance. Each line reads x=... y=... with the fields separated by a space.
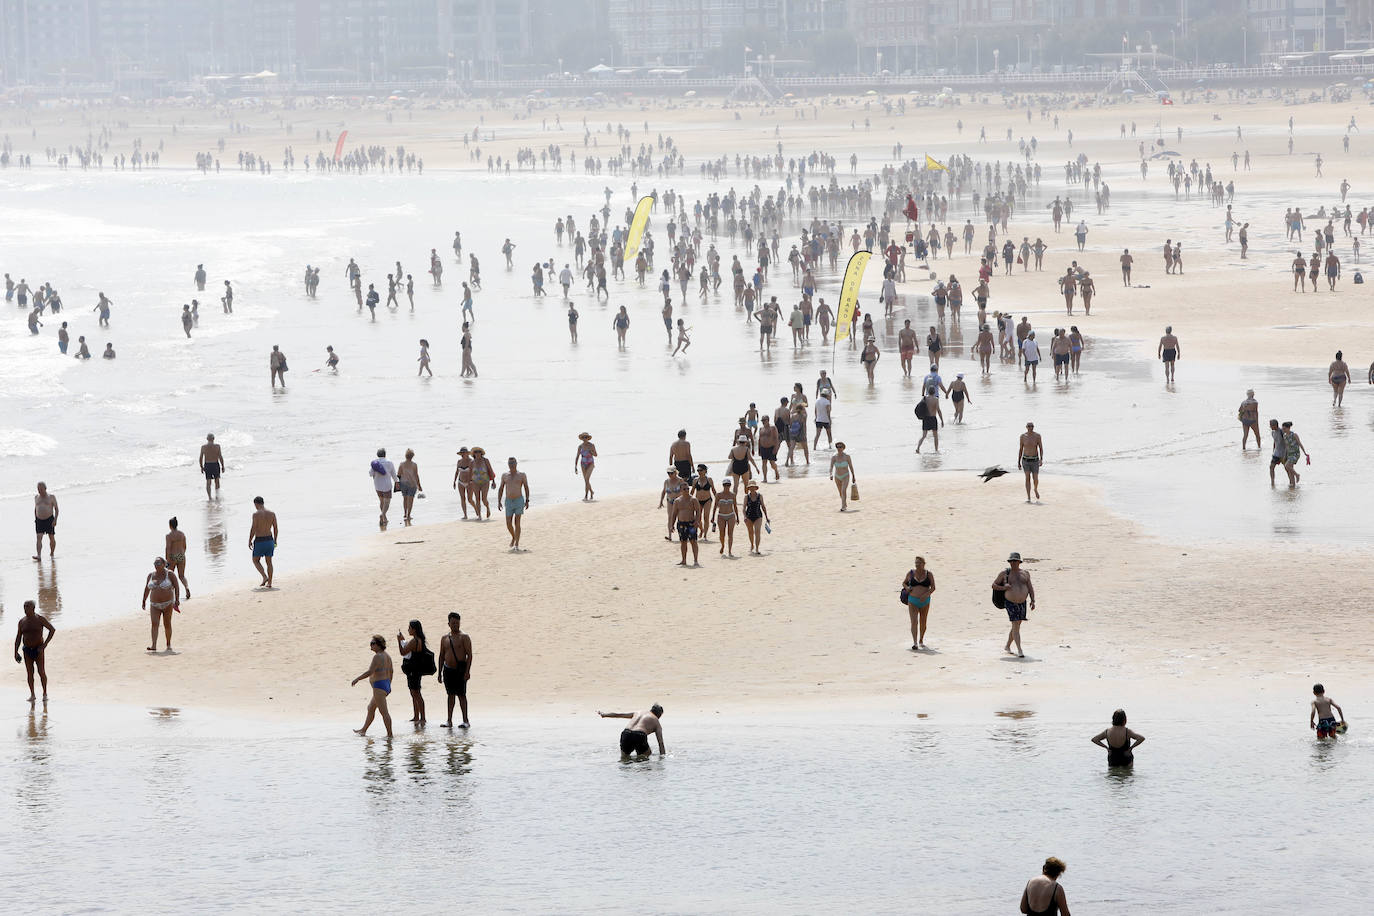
x=677 y=33
x=1288 y=27
x=41 y=41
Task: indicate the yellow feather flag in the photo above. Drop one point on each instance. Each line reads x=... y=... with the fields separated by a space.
x=636 y=232
x=849 y=293
x=934 y=166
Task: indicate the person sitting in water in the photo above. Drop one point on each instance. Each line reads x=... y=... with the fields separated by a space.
x=109 y=351
x=635 y=738
x=1119 y=741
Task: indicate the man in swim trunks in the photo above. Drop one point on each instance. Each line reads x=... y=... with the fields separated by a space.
x=262 y=537
x=684 y=514
x=906 y=344
x=635 y=738
x=514 y=496
x=30 y=638
x=1030 y=454
x=45 y=513
x=680 y=456
x=1169 y=352
x=211 y=463
x=1015 y=585
x=455 y=666
x=768 y=448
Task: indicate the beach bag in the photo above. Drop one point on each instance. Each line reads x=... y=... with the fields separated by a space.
x=423 y=662
x=795 y=429
x=1359 y=277
x=922 y=411
x=854 y=491
x=999 y=596
x=906 y=592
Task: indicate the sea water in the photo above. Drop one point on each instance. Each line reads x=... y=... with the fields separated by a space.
x=174 y=811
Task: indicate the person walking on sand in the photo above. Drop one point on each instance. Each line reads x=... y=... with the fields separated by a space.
x=842 y=473
x=161 y=596
x=276 y=362
x=770 y=439
x=413 y=651
x=1338 y=375
x=45 y=512
x=634 y=739
x=1015 y=585
x=1321 y=719
x=584 y=460
x=1030 y=351
x=1119 y=741
x=1030 y=454
x=211 y=463
x=262 y=538
x=514 y=496
x=30 y=640
x=741 y=461
x=918 y=585
x=455 y=666
x=408 y=479
x=483 y=479
x=383 y=474
x=174 y=550
x=724 y=516
x=755 y=517
x=1248 y=414
x=1169 y=352
x=378 y=676
x=683 y=511
x=1043 y=896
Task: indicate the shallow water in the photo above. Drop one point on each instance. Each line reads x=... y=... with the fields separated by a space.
x=166 y=811
x=117 y=441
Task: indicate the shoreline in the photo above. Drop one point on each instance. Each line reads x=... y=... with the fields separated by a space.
x=774 y=637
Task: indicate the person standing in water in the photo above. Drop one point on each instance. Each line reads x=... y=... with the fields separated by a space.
x=30 y=640
x=412 y=650
x=585 y=461
x=211 y=463
x=174 y=549
x=1015 y=585
x=469 y=367
x=276 y=361
x=262 y=538
x=455 y=666
x=378 y=675
x=1043 y=896
x=408 y=479
x=1169 y=352
x=424 y=359
x=1338 y=375
x=45 y=512
x=1321 y=719
x=1119 y=741
x=634 y=739
x=383 y=474
x=1248 y=414
x=514 y=496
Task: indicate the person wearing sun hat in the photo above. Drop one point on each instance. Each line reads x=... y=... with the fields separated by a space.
x=585 y=461
x=1015 y=585
x=755 y=515
x=672 y=488
x=462 y=477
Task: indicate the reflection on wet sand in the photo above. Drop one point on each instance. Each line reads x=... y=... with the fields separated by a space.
x=49 y=597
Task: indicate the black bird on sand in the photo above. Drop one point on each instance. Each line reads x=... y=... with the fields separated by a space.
x=990 y=473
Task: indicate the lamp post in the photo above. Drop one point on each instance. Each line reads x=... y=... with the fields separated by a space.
x=996 y=54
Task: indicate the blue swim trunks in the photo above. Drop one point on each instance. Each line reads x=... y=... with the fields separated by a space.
x=515 y=505
x=264 y=547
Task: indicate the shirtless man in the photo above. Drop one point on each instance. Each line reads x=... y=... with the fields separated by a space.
x=680 y=456
x=907 y=346
x=30 y=639
x=455 y=666
x=262 y=538
x=635 y=738
x=211 y=463
x=1030 y=455
x=1015 y=585
x=1126 y=262
x=514 y=497
x=684 y=512
x=1169 y=352
x=45 y=513
x=174 y=550
x=769 y=440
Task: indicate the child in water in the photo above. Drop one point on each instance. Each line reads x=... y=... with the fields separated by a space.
x=1321 y=719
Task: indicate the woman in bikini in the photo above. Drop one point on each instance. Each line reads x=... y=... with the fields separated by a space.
x=755 y=514
x=161 y=595
x=1338 y=374
x=462 y=478
x=842 y=472
x=983 y=347
x=870 y=357
x=704 y=490
x=672 y=487
x=585 y=460
x=483 y=479
x=741 y=462
x=175 y=551
x=919 y=585
x=724 y=518
x=1075 y=347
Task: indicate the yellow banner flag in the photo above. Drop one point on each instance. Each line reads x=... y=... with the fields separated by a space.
x=849 y=293
x=636 y=232
x=933 y=165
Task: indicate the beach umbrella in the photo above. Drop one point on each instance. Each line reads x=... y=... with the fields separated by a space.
x=690 y=94
x=871 y=92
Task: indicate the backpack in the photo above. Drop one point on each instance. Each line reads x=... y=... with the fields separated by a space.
x=999 y=596
x=922 y=410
